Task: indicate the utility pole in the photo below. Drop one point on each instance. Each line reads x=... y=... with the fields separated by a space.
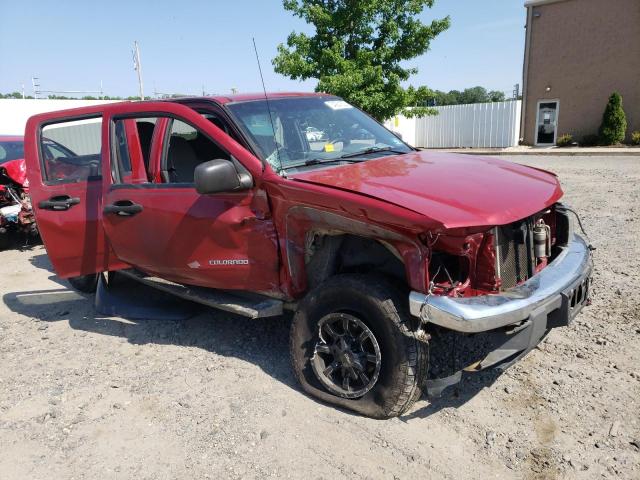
x=137 y=66
x=23 y=91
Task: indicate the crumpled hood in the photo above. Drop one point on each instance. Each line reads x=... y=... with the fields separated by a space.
x=455 y=190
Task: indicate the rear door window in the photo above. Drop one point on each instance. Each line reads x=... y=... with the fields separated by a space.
x=70 y=150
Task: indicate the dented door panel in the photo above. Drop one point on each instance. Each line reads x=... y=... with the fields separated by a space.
x=212 y=241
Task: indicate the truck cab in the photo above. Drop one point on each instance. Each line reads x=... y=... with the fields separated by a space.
x=302 y=201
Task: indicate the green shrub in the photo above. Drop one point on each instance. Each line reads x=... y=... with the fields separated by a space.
x=590 y=140
x=565 y=140
x=614 y=121
x=635 y=138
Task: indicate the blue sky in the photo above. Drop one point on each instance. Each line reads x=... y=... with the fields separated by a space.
x=73 y=45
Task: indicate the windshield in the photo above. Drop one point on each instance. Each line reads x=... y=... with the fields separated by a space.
x=11 y=150
x=312 y=130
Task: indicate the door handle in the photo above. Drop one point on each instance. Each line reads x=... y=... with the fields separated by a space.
x=124 y=208
x=59 y=203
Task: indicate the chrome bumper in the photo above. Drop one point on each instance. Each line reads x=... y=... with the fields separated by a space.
x=562 y=286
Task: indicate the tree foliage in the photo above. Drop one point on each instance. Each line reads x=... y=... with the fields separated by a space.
x=614 y=121
x=468 y=95
x=358 y=51
x=15 y=95
x=18 y=95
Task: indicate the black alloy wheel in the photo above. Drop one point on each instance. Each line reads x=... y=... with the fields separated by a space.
x=347 y=357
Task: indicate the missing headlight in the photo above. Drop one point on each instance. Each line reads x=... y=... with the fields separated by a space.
x=447 y=271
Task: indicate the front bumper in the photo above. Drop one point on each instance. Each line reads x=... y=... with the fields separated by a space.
x=558 y=292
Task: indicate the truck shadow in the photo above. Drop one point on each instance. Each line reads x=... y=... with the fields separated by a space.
x=20 y=241
x=263 y=342
x=42 y=262
x=454 y=396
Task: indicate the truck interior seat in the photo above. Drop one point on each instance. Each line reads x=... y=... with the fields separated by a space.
x=181 y=160
x=206 y=149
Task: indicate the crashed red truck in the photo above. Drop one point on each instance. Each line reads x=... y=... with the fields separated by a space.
x=16 y=214
x=306 y=203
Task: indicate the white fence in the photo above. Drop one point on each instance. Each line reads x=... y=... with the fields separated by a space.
x=14 y=113
x=479 y=125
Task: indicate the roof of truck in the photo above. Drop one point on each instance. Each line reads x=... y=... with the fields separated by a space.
x=130 y=106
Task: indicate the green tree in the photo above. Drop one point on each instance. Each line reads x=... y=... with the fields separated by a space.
x=12 y=95
x=441 y=98
x=497 y=96
x=469 y=95
x=474 y=95
x=452 y=98
x=614 y=121
x=358 y=50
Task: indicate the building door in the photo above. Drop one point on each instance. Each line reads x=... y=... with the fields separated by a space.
x=547 y=124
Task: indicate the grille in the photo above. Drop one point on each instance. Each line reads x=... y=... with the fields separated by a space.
x=514 y=253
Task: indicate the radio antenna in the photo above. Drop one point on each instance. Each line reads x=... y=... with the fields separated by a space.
x=266 y=98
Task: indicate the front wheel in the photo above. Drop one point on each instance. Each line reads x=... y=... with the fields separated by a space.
x=353 y=345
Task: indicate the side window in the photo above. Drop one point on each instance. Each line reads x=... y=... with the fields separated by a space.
x=188 y=148
x=131 y=145
x=71 y=150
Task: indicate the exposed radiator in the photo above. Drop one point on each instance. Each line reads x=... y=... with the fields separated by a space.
x=515 y=259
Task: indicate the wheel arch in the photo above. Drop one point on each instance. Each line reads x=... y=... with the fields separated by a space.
x=317 y=239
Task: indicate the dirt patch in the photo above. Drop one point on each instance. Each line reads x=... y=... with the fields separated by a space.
x=86 y=396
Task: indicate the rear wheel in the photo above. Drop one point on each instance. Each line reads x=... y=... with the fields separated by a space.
x=85 y=283
x=353 y=345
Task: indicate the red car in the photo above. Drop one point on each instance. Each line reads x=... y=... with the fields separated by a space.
x=16 y=213
x=380 y=249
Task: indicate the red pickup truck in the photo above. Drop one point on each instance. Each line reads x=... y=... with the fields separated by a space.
x=304 y=202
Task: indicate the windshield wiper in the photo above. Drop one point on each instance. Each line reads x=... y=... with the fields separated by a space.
x=347 y=157
x=372 y=150
x=321 y=161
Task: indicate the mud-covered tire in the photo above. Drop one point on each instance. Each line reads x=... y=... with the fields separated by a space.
x=85 y=283
x=403 y=357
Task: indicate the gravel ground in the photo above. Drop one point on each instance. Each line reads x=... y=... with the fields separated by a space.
x=84 y=396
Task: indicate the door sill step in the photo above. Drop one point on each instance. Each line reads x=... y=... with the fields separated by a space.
x=247 y=305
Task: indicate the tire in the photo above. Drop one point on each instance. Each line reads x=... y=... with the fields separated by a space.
x=363 y=302
x=85 y=283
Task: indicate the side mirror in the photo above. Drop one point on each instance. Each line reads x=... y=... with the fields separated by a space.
x=216 y=176
x=398 y=134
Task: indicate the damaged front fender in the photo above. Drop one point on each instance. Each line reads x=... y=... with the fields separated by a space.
x=302 y=222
